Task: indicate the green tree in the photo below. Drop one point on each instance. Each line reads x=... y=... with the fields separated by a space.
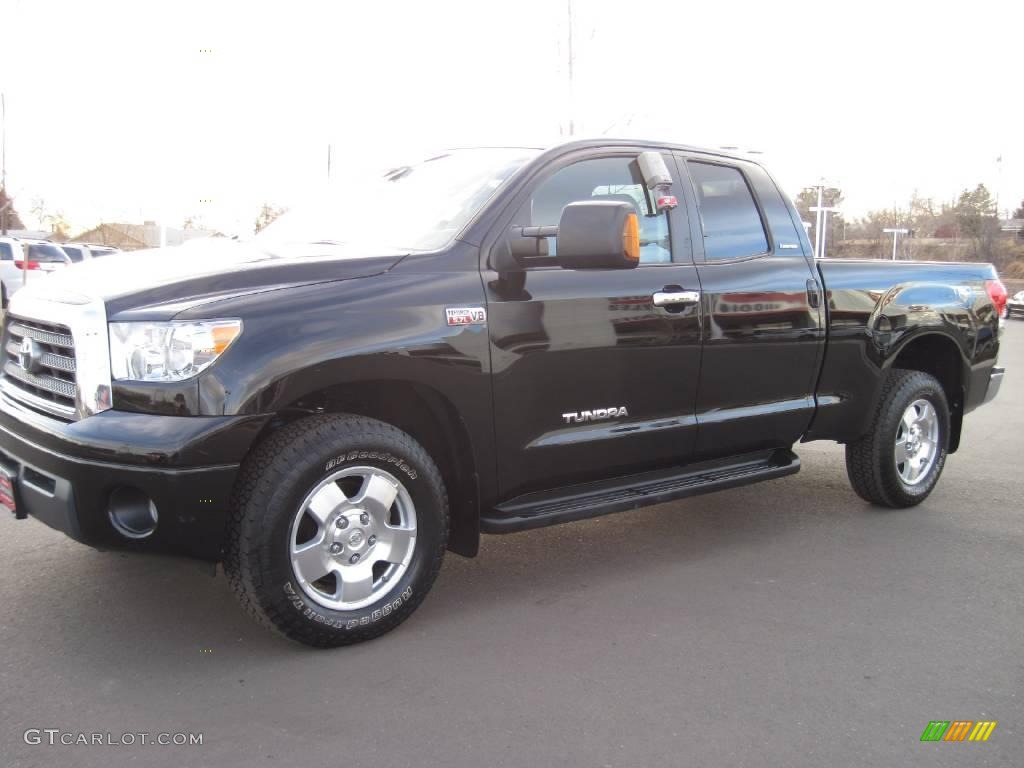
x=976 y=209
x=977 y=218
x=1019 y=213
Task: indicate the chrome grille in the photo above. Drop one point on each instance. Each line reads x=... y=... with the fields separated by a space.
x=50 y=384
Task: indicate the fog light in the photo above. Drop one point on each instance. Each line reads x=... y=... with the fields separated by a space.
x=132 y=512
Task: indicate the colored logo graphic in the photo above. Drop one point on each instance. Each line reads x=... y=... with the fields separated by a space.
x=958 y=730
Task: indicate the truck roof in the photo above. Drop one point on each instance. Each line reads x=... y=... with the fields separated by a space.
x=603 y=141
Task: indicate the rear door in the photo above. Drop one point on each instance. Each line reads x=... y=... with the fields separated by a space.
x=764 y=331
x=591 y=378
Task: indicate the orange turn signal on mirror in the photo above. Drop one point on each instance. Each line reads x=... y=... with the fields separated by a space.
x=631 y=237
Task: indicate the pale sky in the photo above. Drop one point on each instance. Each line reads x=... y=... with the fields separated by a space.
x=116 y=112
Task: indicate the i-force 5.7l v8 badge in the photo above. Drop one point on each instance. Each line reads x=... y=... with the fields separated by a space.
x=466 y=315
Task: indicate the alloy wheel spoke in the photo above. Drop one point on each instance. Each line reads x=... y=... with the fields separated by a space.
x=377 y=496
x=355 y=582
x=909 y=417
x=901 y=451
x=325 y=501
x=397 y=544
x=914 y=469
x=310 y=561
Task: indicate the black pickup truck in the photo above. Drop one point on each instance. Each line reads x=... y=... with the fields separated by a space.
x=488 y=341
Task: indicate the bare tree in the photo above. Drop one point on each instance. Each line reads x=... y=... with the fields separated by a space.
x=9 y=218
x=267 y=215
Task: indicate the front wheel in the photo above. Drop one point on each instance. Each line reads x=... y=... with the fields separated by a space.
x=899 y=461
x=338 y=530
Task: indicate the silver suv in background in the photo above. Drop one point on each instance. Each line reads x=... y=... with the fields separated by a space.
x=76 y=252
x=21 y=260
x=79 y=252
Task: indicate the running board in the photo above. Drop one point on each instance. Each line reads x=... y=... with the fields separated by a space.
x=578 y=502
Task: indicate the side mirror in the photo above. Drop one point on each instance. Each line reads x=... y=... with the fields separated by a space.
x=598 y=235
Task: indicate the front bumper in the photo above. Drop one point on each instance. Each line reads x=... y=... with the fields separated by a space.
x=64 y=473
x=995 y=381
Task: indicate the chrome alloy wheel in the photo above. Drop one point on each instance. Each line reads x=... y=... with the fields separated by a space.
x=917 y=442
x=352 y=538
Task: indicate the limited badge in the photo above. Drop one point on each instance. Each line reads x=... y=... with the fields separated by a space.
x=466 y=315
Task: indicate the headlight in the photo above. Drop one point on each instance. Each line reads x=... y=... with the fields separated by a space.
x=168 y=351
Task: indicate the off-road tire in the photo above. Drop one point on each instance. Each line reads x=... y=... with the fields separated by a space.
x=870 y=461
x=272 y=484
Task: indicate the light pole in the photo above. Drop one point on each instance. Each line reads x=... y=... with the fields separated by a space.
x=895 y=236
x=821 y=218
x=821 y=234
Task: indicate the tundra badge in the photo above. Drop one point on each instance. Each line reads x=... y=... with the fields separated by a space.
x=598 y=414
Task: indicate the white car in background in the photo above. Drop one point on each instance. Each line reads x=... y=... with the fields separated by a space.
x=22 y=260
x=1015 y=305
x=96 y=250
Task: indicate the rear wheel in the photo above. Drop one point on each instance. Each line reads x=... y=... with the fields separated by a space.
x=338 y=530
x=899 y=461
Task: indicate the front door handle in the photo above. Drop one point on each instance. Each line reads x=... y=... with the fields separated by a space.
x=675 y=298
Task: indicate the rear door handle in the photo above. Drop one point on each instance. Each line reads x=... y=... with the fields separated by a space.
x=813 y=293
x=675 y=298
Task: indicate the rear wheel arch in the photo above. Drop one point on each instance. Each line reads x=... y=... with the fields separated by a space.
x=429 y=418
x=940 y=356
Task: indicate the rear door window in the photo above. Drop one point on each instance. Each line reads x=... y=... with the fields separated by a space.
x=6 y=252
x=75 y=254
x=729 y=216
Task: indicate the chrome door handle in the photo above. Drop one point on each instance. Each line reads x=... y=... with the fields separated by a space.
x=674 y=298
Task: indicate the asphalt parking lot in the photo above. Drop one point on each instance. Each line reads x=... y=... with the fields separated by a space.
x=785 y=624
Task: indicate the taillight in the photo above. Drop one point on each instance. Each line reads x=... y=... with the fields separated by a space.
x=997 y=292
x=35 y=265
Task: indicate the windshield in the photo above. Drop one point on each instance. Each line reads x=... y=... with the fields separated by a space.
x=413 y=208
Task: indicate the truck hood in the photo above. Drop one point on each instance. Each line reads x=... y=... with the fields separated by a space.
x=159 y=283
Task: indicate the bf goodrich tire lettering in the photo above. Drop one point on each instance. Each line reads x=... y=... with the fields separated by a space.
x=338 y=529
x=899 y=461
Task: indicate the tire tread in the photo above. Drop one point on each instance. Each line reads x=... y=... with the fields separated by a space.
x=865 y=457
x=266 y=467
